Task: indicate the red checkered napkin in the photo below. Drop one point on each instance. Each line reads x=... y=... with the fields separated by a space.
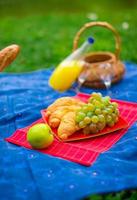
x=84 y=152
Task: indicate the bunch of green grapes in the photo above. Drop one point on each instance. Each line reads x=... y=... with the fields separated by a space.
x=98 y=113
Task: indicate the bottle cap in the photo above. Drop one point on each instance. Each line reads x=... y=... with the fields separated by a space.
x=90 y=40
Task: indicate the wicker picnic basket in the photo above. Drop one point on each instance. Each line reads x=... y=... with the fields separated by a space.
x=94 y=60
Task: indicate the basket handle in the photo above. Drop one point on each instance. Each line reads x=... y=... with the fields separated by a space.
x=105 y=25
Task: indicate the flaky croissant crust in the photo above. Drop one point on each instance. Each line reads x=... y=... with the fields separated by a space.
x=61 y=115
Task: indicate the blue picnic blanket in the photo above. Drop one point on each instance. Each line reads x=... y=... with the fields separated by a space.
x=27 y=174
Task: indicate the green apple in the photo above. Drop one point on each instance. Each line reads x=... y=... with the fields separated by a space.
x=40 y=136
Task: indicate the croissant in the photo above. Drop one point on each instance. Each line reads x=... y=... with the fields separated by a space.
x=64 y=101
x=56 y=116
x=61 y=115
x=67 y=125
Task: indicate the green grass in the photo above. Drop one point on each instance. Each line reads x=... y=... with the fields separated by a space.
x=128 y=195
x=47 y=37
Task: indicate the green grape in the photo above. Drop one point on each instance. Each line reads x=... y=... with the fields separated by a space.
x=85 y=108
x=109 y=118
x=93 y=128
x=111 y=124
x=102 y=106
x=101 y=125
x=89 y=114
x=115 y=104
x=87 y=120
x=106 y=100
x=82 y=124
x=94 y=101
x=97 y=96
x=117 y=112
x=95 y=119
x=104 y=112
x=111 y=107
x=90 y=100
x=98 y=104
x=80 y=116
x=91 y=107
x=85 y=111
x=109 y=111
x=114 y=116
x=97 y=111
x=101 y=118
x=78 y=119
x=86 y=130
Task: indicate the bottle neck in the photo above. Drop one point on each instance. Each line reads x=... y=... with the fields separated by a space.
x=86 y=45
x=80 y=51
